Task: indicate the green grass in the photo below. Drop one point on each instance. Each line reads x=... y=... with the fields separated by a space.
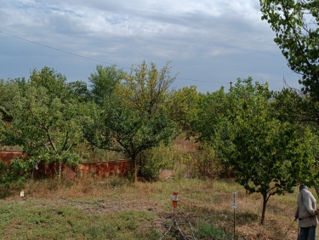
x=116 y=209
x=207 y=231
x=31 y=220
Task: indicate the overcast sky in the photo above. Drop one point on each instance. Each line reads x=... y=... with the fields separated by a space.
x=209 y=42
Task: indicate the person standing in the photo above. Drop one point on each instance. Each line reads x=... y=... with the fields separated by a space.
x=306 y=214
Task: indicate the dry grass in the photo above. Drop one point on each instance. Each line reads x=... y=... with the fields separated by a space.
x=185 y=146
x=208 y=202
x=109 y=204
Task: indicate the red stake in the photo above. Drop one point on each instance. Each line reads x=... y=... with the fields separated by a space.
x=174 y=199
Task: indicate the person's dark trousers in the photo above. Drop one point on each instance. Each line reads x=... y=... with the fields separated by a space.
x=308 y=233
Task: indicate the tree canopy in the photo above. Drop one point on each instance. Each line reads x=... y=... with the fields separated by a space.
x=267 y=155
x=134 y=118
x=104 y=81
x=295 y=23
x=45 y=120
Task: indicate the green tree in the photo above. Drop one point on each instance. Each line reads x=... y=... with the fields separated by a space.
x=146 y=88
x=134 y=118
x=292 y=106
x=213 y=114
x=295 y=23
x=45 y=120
x=104 y=81
x=183 y=106
x=8 y=90
x=118 y=127
x=80 y=90
x=268 y=156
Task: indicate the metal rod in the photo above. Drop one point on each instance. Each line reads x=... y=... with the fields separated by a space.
x=234 y=207
x=234 y=224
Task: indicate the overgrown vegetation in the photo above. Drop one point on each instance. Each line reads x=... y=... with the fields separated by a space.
x=117 y=209
x=248 y=132
x=267 y=141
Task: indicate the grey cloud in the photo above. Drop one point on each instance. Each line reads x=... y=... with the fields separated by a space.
x=127 y=32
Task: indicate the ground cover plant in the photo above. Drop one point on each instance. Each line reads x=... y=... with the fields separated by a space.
x=117 y=209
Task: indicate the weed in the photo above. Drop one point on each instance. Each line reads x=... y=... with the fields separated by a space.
x=206 y=231
x=116 y=209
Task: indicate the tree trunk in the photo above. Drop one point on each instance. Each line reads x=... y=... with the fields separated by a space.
x=262 y=220
x=134 y=169
x=60 y=169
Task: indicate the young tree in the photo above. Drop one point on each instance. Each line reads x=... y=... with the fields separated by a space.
x=45 y=120
x=300 y=109
x=295 y=23
x=267 y=155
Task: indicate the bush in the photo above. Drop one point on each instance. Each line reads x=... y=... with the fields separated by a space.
x=153 y=160
x=206 y=164
x=12 y=176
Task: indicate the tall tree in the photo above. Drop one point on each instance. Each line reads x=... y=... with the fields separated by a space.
x=146 y=88
x=134 y=118
x=295 y=23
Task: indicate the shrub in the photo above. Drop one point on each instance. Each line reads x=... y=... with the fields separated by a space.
x=12 y=176
x=153 y=160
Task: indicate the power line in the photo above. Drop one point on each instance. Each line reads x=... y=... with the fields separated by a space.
x=55 y=48
x=79 y=55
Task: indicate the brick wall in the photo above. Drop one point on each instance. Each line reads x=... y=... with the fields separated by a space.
x=105 y=169
x=7 y=156
x=99 y=169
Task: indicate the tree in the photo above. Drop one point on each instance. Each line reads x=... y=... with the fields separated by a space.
x=145 y=88
x=45 y=120
x=118 y=127
x=183 y=105
x=8 y=90
x=268 y=156
x=214 y=114
x=80 y=91
x=104 y=81
x=295 y=23
x=296 y=108
x=134 y=117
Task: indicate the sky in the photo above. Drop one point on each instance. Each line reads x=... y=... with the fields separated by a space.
x=209 y=43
